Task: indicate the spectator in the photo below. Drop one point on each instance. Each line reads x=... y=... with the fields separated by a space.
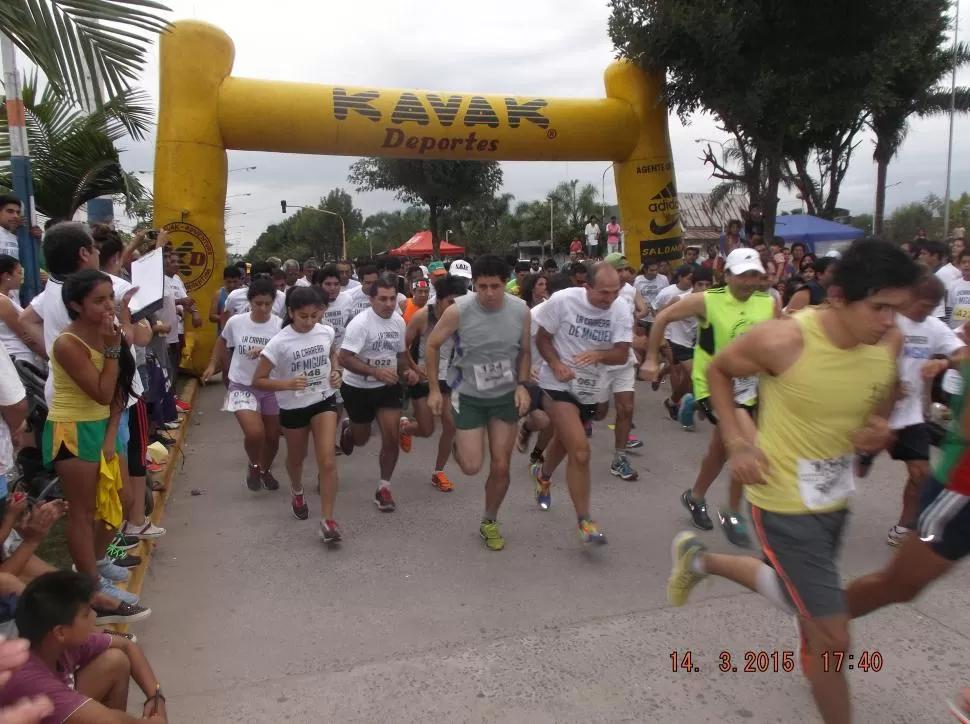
x=232 y=279
x=550 y=267
x=613 y=232
x=10 y=221
x=754 y=224
x=15 y=337
x=578 y=274
x=575 y=246
x=535 y=266
x=592 y=232
x=85 y=675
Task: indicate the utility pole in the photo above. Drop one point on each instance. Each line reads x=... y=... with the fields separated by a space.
x=953 y=100
x=23 y=187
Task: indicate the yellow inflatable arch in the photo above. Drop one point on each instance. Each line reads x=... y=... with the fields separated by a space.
x=203 y=111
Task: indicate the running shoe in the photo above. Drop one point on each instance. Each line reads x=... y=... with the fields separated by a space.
x=543 y=488
x=346 y=441
x=123 y=558
x=125 y=613
x=125 y=542
x=300 y=510
x=330 y=531
x=732 y=524
x=127 y=636
x=441 y=482
x=108 y=589
x=697 y=510
x=154 y=468
x=269 y=480
x=683 y=577
x=253 y=481
x=149 y=531
x=536 y=456
x=491 y=535
x=896 y=535
x=685 y=415
x=406 y=440
x=622 y=469
x=589 y=532
x=523 y=438
x=384 y=501
x=671 y=409
x=633 y=442
x=182 y=405
x=111 y=571
x=588 y=427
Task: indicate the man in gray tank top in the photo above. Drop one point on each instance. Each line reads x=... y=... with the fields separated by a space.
x=488 y=377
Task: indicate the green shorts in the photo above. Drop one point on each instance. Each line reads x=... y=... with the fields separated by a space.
x=472 y=413
x=82 y=440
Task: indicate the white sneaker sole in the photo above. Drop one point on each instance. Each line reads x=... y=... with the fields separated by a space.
x=141 y=616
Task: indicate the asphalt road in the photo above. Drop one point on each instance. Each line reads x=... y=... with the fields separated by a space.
x=414 y=620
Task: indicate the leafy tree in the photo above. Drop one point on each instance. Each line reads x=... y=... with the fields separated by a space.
x=309 y=233
x=574 y=204
x=387 y=230
x=816 y=161
x=862 y=221
x=73 y=155
x=906 y=220
x=435 y=184
x=770 y=70
x=61 y=36
x=914 y=88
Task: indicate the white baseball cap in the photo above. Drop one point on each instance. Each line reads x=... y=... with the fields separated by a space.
x=460 y=268
x=744 y=260
x=833 y=254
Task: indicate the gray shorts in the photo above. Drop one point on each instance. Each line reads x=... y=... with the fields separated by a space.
x=803 y=549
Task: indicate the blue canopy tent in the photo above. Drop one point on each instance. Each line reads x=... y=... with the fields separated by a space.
x=818 y=235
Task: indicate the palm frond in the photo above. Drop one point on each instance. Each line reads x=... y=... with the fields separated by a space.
x=63 y=37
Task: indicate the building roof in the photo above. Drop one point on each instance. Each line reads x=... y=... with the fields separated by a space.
x=696 y=214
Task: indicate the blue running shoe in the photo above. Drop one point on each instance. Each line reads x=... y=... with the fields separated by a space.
x=685 y=416
x=543 y=488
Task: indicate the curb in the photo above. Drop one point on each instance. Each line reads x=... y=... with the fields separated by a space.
x=146 y=548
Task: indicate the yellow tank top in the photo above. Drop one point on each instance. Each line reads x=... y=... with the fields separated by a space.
x=806 y=415
x=70 y=403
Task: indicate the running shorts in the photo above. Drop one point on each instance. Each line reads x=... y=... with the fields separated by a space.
x=622 y=379
x=708 y=409
x=83 y=440
x=680 y=353
x=265 y=399
x=422 y=390
x=944 y=520
x=803 y=549
x=586 y=412
x=473 y=413
x=912 y=443
x=362 y=403
x=299 y=417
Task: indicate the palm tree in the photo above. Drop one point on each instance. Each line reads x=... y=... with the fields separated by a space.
x=913 y=89
x=73 y=155
x=63 y=37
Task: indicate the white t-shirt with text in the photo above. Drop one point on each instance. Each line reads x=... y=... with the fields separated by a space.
x=922 y=340
x=376 y=341
x=243 y=335
x=684 y=331
x=958 y=302
x=296 y=354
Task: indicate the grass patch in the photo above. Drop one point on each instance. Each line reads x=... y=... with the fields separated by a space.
x=53 y=549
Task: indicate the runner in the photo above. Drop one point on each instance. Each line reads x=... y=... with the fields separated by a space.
x=422 y=324
x=827 y=377
x=679 y=338
x=723 y=314
x=489 y=375
x=925 y=338
x=237 y=301
x=580 y=331
x=374 y=357
x=301 y=358
x=237 y=350
x=420 y=295
x=327 y=282
x=649 y=284
x=358 y=300
x=622 y=378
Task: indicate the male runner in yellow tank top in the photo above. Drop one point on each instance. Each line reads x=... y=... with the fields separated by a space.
x=827 y=381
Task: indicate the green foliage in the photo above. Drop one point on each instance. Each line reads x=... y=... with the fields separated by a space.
x=73 y=155
x=61 y=36
x=387 y=230
x=310 y=233
x=436 y=184
x=927 y=214
x=862 y=221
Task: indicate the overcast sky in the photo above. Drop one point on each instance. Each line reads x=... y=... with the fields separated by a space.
x=538 y=47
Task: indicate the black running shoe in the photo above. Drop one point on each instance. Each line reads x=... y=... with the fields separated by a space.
x=269 y=481
x=125 y=613
x=253 y=481
x=698 y=511
x=300 y=510
x=125 y=560
x=671 y=409
x=125 y=542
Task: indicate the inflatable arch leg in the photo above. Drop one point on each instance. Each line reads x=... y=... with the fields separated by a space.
x=203 y=112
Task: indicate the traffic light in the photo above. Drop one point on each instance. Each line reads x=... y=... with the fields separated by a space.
x=283 y=205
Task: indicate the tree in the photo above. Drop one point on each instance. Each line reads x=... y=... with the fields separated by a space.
x=906 y=220
x=573 y=205
x=309 y=233
x=914 y=89
x=61 y=37
x=769 y=70
x=862 y=221
x=73 y=155
x=387 y=230
x=435 y=184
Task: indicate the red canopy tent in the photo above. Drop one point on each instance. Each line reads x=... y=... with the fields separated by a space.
x=420 y=245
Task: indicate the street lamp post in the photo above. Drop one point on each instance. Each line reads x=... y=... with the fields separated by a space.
x=603 y=187
x=343 y=227
x=953 y=100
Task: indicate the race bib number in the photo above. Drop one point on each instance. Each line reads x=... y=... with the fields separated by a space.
x=824 y=482
x=745 y=390
x=490 y=375
x=961 y=314
x=382 y=363
x=316 y=380
x=240 y=401
x=587 y=385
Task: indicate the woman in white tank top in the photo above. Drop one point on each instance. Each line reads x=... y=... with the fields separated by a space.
x=13 y=334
